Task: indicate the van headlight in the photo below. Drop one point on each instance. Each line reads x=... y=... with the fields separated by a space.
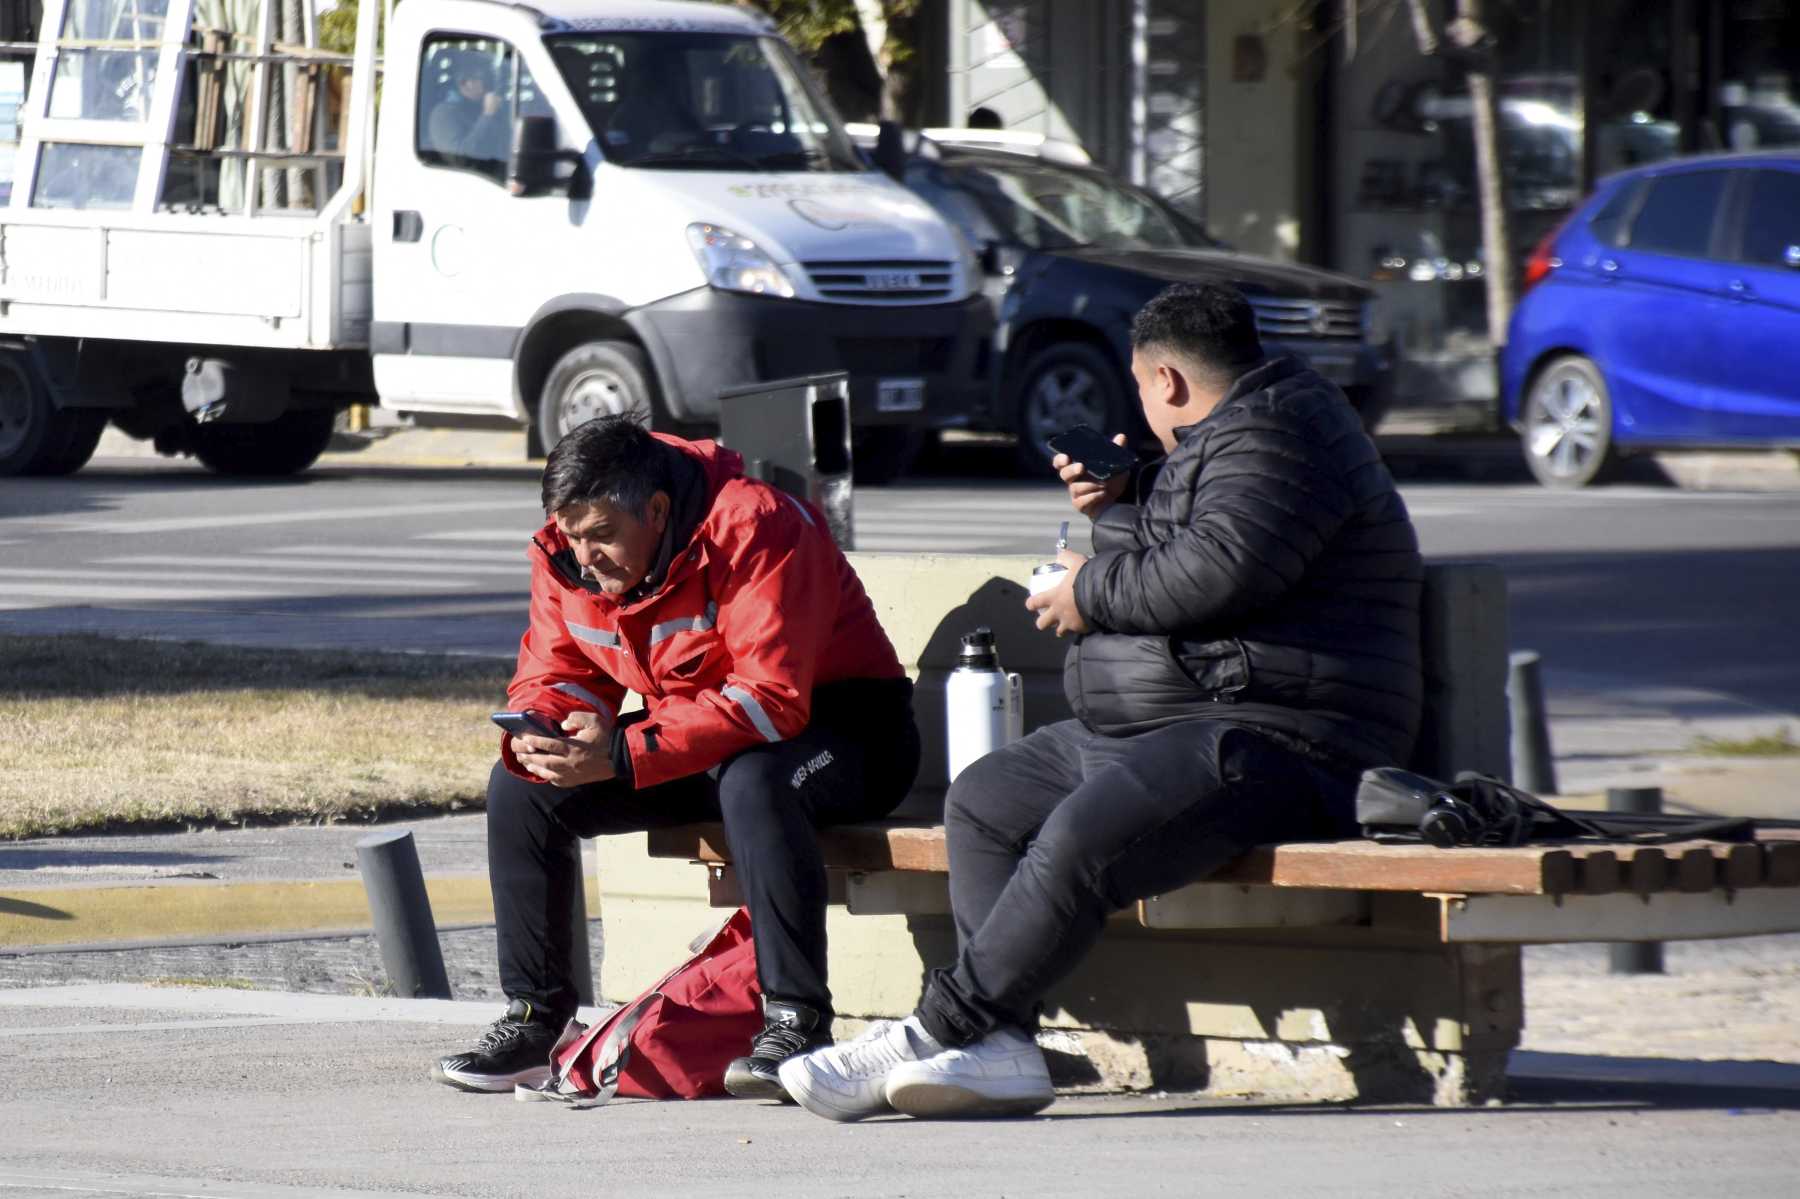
x=733 y=262
x=1377 y=324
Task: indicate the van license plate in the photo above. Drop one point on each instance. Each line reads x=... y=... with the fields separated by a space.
x=899 y=395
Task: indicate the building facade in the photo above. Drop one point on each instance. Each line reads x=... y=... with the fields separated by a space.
x=1321 y=132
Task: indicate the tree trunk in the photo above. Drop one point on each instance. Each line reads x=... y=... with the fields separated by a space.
x=1470 y=34
x=902 y=90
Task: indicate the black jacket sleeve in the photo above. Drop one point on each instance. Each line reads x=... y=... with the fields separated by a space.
x=1263 y=500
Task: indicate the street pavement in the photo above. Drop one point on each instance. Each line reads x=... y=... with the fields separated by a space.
x=123 y=1079
x=126 y=1090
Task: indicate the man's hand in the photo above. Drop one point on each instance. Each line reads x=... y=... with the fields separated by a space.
x=584 y=756
x=1056 y=608
x=1090 y=496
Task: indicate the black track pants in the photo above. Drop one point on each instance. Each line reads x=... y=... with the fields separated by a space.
x=856 y=761
x=1052 y=834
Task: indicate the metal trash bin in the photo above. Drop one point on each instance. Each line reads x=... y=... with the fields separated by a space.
x=795 y=434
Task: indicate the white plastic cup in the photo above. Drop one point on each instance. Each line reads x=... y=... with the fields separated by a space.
x=1049 y=575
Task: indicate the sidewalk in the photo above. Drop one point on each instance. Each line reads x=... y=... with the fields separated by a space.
x=121 y=1090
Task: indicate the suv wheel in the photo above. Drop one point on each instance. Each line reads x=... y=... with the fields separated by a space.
x=1068 y=384
x=1568 y=424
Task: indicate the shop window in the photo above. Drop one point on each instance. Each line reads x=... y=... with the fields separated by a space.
x=1772 y=219
x=1678 y=214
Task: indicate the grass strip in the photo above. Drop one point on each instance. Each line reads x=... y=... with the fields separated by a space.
x=1778 y=743
x=106 y=733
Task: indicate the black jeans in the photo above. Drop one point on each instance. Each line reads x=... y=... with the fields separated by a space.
x=1057 y=831
x=856 y=761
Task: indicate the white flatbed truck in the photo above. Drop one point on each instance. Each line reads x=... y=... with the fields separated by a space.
x=219 y=235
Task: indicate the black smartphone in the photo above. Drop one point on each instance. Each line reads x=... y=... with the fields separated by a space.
x=1100 y=456
x=521 y=724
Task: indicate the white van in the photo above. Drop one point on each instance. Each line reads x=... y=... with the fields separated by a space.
x=569 y=209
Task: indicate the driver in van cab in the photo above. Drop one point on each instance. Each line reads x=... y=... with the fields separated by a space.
x=468 y=127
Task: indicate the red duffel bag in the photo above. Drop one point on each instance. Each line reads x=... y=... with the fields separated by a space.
x=673 y=1041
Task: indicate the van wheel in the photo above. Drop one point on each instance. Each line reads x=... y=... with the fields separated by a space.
x=1068 y=384
x=286 y=445
x=1568 y=424
x=596 y=378
x=37 y=437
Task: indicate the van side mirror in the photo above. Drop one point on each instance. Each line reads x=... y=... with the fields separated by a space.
x=531 y=170
x=890 y=149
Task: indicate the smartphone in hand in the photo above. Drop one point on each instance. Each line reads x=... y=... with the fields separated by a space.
x=1101 y=457
x=524 y=724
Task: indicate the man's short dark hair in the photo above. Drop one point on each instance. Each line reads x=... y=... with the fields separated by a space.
x=611 y=458
x=1209 y=325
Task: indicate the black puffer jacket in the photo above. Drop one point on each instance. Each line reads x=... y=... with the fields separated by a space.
x=1268 y=575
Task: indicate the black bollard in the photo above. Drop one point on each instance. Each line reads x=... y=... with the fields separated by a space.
x=401 y=911
x=1635 y=957
x=1532 y=765
x=581 y=961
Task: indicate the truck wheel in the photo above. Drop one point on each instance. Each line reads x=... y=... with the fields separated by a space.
x=882 y=453
x=1071 y=383
x=596 y=378
x=286 y=445
x=37 y=437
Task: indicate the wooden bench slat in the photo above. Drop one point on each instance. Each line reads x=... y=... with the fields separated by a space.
x=1340 y=865
x=1781 y=864
x=1369 y=866
x=1551 y=869
x=1597 y=869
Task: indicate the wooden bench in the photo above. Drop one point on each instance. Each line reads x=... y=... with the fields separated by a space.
x=1322 y=971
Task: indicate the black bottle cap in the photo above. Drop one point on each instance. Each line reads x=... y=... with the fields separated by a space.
x=978 y=651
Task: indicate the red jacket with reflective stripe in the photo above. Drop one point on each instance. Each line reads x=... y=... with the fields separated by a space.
x=758 y=608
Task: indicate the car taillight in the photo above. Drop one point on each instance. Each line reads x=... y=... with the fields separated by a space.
x=1543 y=260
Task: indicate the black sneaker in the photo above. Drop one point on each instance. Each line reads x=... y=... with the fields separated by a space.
x=515 y=1049
x=788 y=1028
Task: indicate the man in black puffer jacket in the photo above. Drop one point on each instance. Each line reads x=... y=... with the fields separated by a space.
x=1247 y=642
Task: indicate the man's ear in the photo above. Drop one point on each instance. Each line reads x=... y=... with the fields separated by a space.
x=656 y=512
x=1179 y=392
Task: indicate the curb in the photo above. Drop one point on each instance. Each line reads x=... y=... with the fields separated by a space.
x=137 y=915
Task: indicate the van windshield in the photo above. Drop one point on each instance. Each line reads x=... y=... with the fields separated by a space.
x=701 y=102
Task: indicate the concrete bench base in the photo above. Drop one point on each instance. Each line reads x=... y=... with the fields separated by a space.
x=1301 y=1014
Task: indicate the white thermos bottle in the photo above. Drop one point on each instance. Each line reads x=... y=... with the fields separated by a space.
x=984 y=707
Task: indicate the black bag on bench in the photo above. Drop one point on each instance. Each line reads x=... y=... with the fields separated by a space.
x=1398 y=806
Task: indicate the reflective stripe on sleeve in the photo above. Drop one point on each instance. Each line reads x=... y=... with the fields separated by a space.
x=697 y=624
x=584 y=695
x=753 y=710
x=604 y=638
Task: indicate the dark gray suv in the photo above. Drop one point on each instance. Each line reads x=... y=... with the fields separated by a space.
x=1070 y=254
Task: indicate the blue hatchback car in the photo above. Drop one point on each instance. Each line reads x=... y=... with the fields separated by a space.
x=1664 y=313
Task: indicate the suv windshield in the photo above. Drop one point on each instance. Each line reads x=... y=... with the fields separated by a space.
x=1048 y=207
x=701 y=102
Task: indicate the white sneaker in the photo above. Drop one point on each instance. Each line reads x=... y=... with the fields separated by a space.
x=846 y=1081
x=1003 y=1074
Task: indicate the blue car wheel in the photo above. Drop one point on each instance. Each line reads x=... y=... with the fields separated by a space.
x=1567 y=423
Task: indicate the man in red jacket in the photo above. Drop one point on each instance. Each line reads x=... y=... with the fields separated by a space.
x=773 y=701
